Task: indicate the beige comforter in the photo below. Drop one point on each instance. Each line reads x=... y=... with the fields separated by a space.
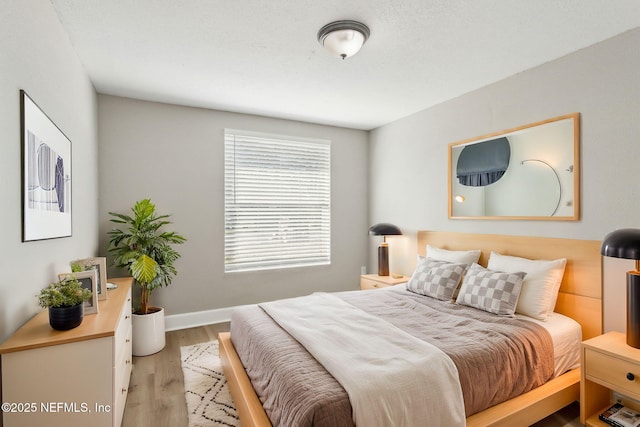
x=382 y=368
x=497 y=358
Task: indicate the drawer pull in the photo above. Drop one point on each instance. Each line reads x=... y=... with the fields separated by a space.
x=124 y=390
x=126 y=317
x=127 y=340
x=127 y=362
x=630 y=376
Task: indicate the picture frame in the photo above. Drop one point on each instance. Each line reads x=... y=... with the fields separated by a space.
x=88 y=279
x=99 y=264
x=46 y=175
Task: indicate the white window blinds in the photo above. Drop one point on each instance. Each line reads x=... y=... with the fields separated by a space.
x=277 y=201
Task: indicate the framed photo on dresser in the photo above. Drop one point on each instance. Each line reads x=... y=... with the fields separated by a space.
x=89 y=280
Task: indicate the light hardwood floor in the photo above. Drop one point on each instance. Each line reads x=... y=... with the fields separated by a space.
x=156 y=392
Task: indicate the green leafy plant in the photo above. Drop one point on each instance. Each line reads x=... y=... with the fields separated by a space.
x=63 y=293
x=76 y=267
x=142 y=248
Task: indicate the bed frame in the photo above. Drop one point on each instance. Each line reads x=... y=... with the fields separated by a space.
x=580 y=298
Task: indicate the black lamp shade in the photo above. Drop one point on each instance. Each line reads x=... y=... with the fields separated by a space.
x=384 y=229
x=623 y=243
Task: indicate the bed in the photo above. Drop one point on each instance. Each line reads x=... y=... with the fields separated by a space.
x=579 y=298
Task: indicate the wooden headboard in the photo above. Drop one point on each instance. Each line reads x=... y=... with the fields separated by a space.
x=580 y=294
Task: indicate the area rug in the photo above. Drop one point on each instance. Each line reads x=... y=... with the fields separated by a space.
x=208 y=400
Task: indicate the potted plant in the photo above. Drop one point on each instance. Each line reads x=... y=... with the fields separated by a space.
x=64 y=299
x=146 y=252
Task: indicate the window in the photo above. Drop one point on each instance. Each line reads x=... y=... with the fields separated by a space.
x=277 y=201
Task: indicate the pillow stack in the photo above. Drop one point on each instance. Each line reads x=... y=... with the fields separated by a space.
x=508 y=285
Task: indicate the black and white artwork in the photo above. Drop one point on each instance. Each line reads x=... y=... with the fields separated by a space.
x=46 y=163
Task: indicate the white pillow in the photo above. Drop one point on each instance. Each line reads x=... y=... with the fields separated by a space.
x=458 y=257
x=540 y=286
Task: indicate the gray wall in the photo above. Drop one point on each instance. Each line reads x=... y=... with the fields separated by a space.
x=37 y=57
x=174 y=155
x=408 y=158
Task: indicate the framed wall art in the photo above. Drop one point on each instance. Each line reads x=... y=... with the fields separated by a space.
x=89 y=280
x=46 y=175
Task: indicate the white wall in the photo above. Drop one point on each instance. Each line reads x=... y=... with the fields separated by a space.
x=36 y=56
x=175 y=156
x=408 y=178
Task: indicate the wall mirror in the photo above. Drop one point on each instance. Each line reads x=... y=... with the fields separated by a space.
x=530 y=172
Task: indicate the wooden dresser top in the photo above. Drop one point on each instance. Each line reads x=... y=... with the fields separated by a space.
x=38 y=333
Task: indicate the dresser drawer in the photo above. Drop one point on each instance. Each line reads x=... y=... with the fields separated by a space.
x=121 y=377
x=612 y=372
x=366 y=284
x=123 y=350
x=123 y=329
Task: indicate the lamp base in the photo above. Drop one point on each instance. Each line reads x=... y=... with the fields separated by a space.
x=383 y=259
x=633 y=309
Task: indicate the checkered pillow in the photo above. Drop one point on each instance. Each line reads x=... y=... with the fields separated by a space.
x=436 y=279
x=492 y=291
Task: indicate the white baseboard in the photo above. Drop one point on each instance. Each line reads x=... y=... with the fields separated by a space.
x=175 y=322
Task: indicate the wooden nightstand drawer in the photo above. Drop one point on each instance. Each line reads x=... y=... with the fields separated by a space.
x=366 y=284
x=612 y=372
x=373 y=281
x=606 y=361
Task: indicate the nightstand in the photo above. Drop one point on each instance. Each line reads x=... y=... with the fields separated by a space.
x=607 y=364
x=373 y=281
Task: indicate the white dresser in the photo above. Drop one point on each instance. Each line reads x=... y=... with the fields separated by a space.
x=70 y=378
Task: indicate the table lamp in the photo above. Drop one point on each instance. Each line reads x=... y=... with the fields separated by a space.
x=384 y=229
x=625 y=243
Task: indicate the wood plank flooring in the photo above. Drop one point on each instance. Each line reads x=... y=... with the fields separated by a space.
x=156 y=392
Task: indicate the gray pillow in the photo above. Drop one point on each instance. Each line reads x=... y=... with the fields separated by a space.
x=436 y=279
x=493 y=291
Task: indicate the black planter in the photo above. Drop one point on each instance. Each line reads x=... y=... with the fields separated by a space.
x=65 y=318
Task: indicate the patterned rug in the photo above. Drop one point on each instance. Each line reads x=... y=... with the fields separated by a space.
x=208 y=400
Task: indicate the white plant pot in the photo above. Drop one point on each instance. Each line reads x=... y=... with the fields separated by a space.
x=148 y=333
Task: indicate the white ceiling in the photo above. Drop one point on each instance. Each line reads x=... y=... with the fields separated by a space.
x=262 y=56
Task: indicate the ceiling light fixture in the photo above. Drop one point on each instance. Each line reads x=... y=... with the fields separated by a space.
x=343 y=38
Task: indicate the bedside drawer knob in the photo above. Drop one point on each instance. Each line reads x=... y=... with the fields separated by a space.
x=630 y=376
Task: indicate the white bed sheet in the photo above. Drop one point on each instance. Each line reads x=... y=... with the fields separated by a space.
x=566 y=335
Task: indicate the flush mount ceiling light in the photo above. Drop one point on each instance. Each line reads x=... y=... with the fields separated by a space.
x=343 y=38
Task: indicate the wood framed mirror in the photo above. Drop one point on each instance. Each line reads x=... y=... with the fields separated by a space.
x=530 y=172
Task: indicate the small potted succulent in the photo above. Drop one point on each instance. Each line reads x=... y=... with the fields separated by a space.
x=64 y=299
